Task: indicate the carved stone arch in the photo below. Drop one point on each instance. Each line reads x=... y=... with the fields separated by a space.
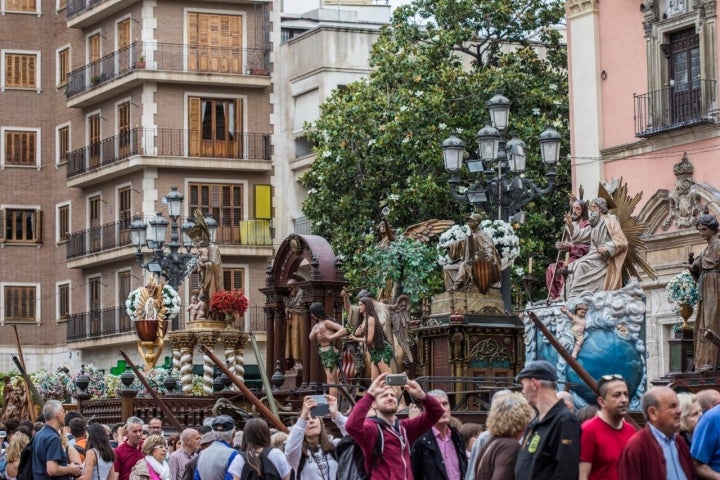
x=657 y=209
x=324 y=284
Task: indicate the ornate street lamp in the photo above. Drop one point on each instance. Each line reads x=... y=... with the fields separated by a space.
x=500 y=186
x=170 y=262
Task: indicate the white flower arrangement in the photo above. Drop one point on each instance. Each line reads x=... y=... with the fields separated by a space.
x=169 y=302
x=452 y=234
x=682 y=289
x=506 y=242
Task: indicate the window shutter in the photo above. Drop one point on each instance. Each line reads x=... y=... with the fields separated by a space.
x=37 y=225
x=195 y=125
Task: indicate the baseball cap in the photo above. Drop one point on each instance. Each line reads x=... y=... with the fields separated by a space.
x=207 y=438
x=223 y=423
x=539 y=370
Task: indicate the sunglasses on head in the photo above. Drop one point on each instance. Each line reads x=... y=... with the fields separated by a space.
x=609 y=378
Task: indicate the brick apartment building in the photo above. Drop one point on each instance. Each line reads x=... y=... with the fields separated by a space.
x=105 y=105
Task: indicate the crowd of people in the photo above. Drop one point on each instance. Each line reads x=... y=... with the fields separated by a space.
x=533 y=434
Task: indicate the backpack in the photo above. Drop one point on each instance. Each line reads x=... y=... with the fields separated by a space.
x=269 y=471
x=351 y=461
x=25 y=468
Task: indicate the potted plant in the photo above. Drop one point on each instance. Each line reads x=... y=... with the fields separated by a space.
x=94 y=80
x=228 y=302
x=140 y=62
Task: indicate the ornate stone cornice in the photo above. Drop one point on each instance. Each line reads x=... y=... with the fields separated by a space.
x=578 y=7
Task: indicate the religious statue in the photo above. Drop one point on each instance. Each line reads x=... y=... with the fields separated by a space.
x=470 y=256
x=208 y=265
x=578 y=325
x=554 y=279
x=601 y=268
x=295 y=316
x=196 y=309
x=15 y=401
x=705 y=269
x=684 y=199
x=326 y=331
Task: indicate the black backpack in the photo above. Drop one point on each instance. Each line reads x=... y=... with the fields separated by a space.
x=269 y=472
x=25 y=468
x=350 y=458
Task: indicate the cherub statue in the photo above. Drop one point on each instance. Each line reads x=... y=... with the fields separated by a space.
x=578 y=325
x=196 y=309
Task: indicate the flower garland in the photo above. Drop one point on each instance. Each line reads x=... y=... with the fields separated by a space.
x=506 y=242
x=682 y=289
x=51 y=385
x=135 y=303
x=452 y=234
x=229 y=301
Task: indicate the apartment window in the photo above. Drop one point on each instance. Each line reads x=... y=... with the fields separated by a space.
x=20 y=225
x=63 y=222
x=124 y=214
x=20 y=147
x=63 y=143
x=94 y=137
x=63 y=66
x=21 y=5
x=215 y=127
x=21 y=70
x=63 y=303
x=123 y=286
x=215 y=43
x=234 y=278
x=20 y=303
x=224 y=203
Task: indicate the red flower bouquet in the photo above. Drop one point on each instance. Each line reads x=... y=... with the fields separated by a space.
x=229 y=301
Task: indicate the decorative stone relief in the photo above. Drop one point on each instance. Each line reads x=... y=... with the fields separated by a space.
x=684 y=199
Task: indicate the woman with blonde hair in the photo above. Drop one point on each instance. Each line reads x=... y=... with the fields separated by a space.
x=689 y=416
x=153 y=466
x=506 y=423
x=17 y=442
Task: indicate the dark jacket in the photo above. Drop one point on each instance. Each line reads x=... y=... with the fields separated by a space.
x=643 y=457
x=427 y=461
x=551 y=447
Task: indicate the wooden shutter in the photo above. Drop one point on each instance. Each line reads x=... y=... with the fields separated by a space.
x=20 y=5
x=123 y=42
x=233 y=278
x=63 y=144
x=20 y=70
x=193 y=50
x=37 y=225
x=123 y=286
x=195 y=125
x=63 y=300
x=63 y=66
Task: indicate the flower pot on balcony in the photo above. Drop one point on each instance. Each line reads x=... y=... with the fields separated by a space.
x=140 y=64
x=147 y=330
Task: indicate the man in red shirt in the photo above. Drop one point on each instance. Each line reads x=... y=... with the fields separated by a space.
x=129 y=452
x=604 y=437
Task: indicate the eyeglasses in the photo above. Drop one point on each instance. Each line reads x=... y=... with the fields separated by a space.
x=609 y=378
x=160 y=446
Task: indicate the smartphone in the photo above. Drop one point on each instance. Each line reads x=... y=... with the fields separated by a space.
x=396 y=379
x=3 y=433
x=322 y=408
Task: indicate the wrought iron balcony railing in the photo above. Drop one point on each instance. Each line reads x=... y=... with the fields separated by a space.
x=75 y=7
x=677 y=106
x=115 y=320
x=117 y=234
x=167 y=142
x=168 y=57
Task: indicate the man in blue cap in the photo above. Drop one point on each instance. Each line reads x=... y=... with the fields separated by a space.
x=551 y=445
x=214 y=461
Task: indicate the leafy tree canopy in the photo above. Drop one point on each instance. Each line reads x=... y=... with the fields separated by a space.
x=435 y=67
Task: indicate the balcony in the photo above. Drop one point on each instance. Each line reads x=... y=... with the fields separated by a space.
x=102 y=242
x=168 y=63
x=108 y=322
x=83 y=13
x=167 y=148
x=678 y=106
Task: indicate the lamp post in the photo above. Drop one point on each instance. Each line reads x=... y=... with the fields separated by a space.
x=170 y=262
x=500 y=186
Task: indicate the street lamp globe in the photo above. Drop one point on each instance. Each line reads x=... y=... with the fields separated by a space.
x=138 y=232
x=488 y=140
x=174 y=201
x=515 y=150
x=212 y=227
x=453 y=151
x=499 y=106
x=158 y=229
x=550 y=145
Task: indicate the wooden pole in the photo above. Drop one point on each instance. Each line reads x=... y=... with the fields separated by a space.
x=34 y=395
x=153 y=393
x=265 y=411
x=263 y=374
x=582 y=373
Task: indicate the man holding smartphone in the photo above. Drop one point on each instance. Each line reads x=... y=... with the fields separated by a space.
x=397 y=436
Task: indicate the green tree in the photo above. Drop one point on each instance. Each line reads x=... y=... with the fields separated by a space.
x=435 y=67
